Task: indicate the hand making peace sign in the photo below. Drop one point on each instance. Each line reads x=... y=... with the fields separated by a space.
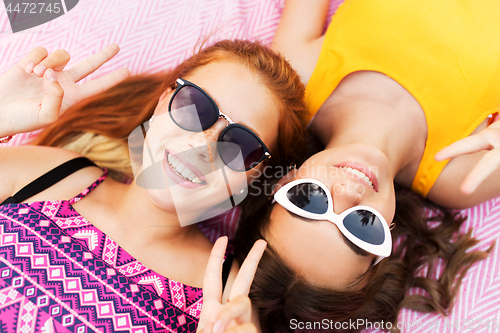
x=487 y=139
x=35 y=91
x=234 y=316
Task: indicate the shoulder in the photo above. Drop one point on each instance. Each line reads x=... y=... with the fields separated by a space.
x=42 y=154
x=28 y=161
x=21 y=165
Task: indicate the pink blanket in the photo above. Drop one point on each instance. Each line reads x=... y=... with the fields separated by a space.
x=155 y=35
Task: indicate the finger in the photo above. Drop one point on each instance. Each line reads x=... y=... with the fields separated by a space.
x=243 y=281
x=239 y=310
x=51 y=102
x=56 y=60
x=206 y=329
x=92 y=63
x=212 y=282
x=32 y=59
x=467 y=145
x=488 y=164
x=102 y=84
x=245 y=328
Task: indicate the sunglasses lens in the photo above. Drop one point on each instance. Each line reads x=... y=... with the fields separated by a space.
x=239 y=149
x=366 y=226
x=309 y=197
x=192 y=110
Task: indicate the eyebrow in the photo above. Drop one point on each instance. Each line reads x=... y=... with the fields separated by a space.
x=238 y=122
x=356 y=249
x=250 y=128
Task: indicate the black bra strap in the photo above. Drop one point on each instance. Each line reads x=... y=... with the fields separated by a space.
x=226 y=268
x=50 y=178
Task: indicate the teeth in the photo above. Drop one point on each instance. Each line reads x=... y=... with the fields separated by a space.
x=359 y=174
x=182 y=170
x=186 y=173
x=180 y=167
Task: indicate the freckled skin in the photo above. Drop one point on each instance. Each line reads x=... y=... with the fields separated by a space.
x=211 y=158
x=241 y=95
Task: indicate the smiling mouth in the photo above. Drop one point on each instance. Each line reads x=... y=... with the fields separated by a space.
x=183 y=171
x=359 y=175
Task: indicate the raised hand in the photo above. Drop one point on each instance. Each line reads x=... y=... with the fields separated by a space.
x=35 y=91
x=234 y=316
x=487 y=139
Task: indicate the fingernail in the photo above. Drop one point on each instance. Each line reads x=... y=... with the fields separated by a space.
x=29 y=67
x=218 y=327
x=51 y=76
x=39 y=69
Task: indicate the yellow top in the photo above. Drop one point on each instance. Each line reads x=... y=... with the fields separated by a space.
x=446 y=53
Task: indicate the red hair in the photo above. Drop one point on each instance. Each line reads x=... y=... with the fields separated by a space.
x=98 y=127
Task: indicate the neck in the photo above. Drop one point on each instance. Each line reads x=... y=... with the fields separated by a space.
x=371 y=108
x=146 y=224
x=383 y=126
x=151 y=234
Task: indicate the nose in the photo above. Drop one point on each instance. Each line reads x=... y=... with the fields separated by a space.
x=209 y=139
x=213 y=132
x=345 y=195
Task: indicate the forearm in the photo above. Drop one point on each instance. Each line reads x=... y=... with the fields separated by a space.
x=301 y=21
x=299 y=35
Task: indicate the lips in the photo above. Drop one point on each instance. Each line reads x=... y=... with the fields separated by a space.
x=182 y=172
x=360 y=173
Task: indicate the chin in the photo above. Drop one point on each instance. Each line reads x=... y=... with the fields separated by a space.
x=162 y=199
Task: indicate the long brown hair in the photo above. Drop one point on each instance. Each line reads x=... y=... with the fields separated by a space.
x=280 y=295
x=98 y=127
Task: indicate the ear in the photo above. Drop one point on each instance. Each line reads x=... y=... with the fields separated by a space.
x=163 y=99
x=165 y=93
x=285 y=180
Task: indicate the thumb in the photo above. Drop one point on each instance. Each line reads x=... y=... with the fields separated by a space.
x=51 y=103
x=206 y=329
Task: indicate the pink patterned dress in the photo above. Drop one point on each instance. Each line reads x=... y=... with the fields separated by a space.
x=59 y=273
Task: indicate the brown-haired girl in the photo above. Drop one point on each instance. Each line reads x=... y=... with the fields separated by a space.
x=391 y=85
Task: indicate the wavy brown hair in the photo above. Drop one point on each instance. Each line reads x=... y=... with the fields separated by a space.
x=98 y=127
x=280 y=295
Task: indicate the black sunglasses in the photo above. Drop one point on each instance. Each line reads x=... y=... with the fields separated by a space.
x=192 y=109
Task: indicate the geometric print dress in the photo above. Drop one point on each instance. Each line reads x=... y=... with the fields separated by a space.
x=59 y=273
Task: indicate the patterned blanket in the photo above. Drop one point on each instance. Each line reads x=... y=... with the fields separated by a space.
x=155 y=35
